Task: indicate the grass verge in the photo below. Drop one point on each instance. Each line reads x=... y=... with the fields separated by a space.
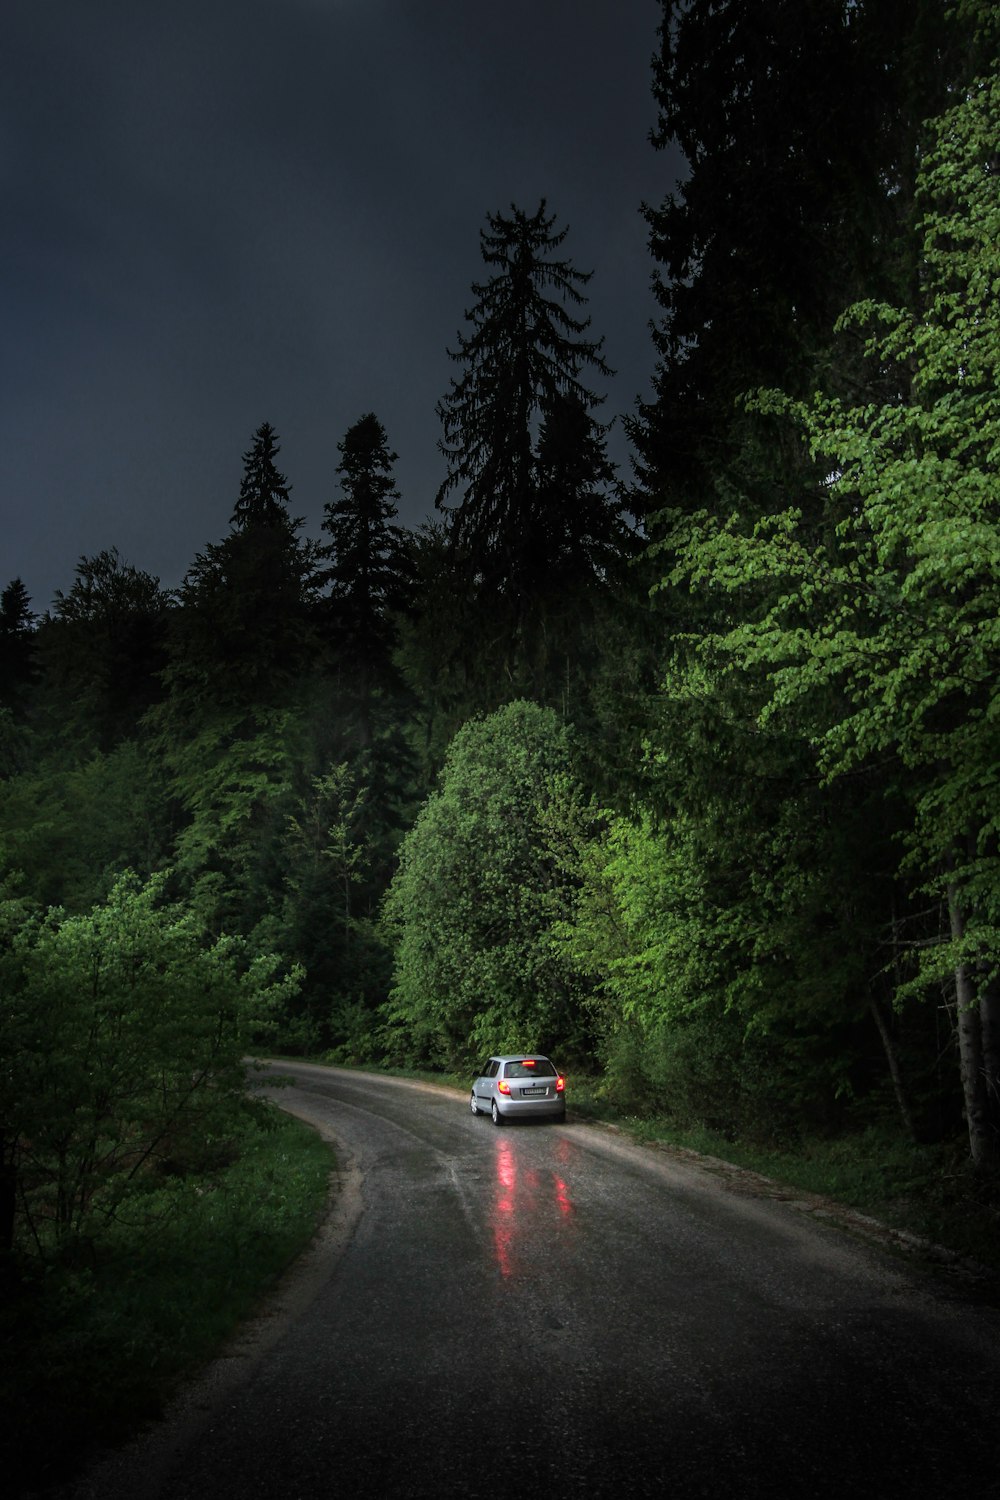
x=91 y=1351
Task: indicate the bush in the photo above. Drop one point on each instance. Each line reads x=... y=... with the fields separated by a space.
x=123 y=1033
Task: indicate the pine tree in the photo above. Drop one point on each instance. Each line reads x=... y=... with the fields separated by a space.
x=523 y=355
x=537 y=516
x=799 y=121
x=17 y=638
x=369 y=563
x=242 y=661
x=244 y=636
x=370 y=577
x=263 y=498
x=580 y=532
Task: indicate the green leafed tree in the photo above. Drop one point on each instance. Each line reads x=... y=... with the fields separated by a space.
x=68 y=829
x=882 y=634
x=470 y=909
x=124 y=1036
x=334 y=855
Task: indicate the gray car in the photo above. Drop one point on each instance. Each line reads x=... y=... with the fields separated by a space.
x=519 y=1084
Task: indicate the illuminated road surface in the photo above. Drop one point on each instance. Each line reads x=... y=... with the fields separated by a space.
x=544 y=1310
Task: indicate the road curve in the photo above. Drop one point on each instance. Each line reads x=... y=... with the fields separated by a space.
x=548 y=1310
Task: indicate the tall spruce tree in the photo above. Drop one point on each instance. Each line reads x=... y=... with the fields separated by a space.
x=799 y=122
x=243 y=636
x=241 y=657
x=17 y=637
x=369 y=564
x=515 y=521
x=524 y=352
x=263 y=497
x=370 y=577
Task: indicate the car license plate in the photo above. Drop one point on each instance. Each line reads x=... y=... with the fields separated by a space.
x=532 y=1093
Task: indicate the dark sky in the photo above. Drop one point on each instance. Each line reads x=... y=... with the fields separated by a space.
x=221 y=212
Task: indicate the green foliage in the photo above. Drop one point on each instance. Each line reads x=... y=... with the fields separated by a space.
x=890 y=623
x=68 y=829
x=724 y=989
x=91 y=1353
x=876 y=635
x=99 y=654
x=233 y=779
x=328 y=915
x=477 y=890
x=124 y=1033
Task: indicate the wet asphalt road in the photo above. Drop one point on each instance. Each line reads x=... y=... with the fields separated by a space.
x=546 y=1310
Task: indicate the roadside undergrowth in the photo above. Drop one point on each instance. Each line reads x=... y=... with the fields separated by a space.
x=92 y=1348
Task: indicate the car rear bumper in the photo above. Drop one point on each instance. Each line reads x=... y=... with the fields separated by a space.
x=512 y=1109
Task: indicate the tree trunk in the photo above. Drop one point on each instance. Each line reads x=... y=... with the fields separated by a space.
x=8 y=1192
x=982 y=1141
x=895 y=1074
x=989 y=1011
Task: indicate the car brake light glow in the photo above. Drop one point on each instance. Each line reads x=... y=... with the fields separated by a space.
x=529 y=1062
x=560 y=1084
x=503 y=1087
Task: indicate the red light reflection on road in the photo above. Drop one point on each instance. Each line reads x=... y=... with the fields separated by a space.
x=506 y=1177
x=529 y=1206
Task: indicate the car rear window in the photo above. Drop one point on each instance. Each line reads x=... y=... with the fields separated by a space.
x=538 y=1067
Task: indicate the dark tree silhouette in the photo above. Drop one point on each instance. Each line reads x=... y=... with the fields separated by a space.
x=580 y=532
x=101 y=650
x=263 y=498
x=367 y=554
x=243 y=635
x=17 y=641
x=523 y=355
x=799 y=122
x=369 y=567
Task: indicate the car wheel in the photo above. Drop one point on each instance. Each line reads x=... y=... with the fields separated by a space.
x=473 y=1105
x=497 y=1116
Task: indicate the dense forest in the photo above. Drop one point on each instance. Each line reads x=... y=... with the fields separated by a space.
x=687 y=774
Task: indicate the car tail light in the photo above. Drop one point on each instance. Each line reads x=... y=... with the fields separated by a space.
x=503 y=1087
x=560 y=1084
x=529 y=1062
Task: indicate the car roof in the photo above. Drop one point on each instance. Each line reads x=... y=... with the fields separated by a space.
x=516 y=1056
